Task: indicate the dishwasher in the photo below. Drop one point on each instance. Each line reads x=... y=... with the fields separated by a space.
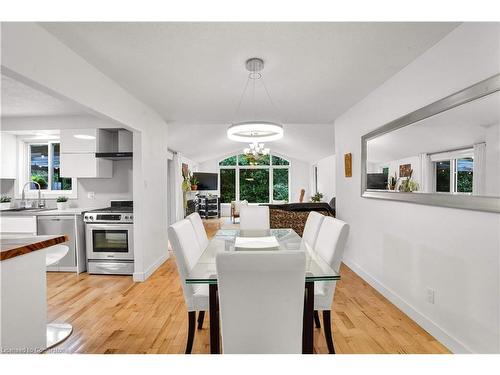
x=73 y=227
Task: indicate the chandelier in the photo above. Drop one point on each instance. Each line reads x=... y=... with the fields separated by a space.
x=255 y=132
x=255 y=152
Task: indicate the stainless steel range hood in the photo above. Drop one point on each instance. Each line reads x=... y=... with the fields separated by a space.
x=114 y=155
x=118 y=146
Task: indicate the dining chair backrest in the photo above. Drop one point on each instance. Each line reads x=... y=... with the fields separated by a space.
x=311 y=229
x=236 y=206
x=187 y=252
x=330 y=245
x=254 y=218
x=261 y=299
x=331 y=240
x=199 y=229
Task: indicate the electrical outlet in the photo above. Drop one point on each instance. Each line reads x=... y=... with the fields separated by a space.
x=91 y=195
x=430 y=295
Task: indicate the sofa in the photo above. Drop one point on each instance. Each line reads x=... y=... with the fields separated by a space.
x=294 y=215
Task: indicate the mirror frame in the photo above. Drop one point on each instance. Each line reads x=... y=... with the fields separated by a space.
x=468 y=202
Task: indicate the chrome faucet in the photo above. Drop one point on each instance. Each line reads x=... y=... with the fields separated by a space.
x=23 y=196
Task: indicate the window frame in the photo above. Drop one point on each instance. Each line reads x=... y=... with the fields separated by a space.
x=25 y=169
x=269 y=167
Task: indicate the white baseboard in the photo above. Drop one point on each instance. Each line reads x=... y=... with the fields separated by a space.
x=454 y=345
x=143 y=276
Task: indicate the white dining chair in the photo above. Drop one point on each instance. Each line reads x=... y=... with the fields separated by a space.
x=187 y=251
x=311 y=229
x=254 y=218
x=199 y=229
x=330 y=244
x=261 y=299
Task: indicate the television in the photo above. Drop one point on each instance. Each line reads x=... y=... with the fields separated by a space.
x=376 y=181
x=207 y=181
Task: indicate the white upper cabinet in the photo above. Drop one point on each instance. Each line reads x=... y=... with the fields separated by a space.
x=8 y=167
x=78 y=148
x=78 y=141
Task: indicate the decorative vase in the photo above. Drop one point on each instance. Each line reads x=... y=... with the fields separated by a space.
x=4 y=205
x=62 y=205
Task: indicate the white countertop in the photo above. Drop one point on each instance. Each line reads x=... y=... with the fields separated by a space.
x=55 y=211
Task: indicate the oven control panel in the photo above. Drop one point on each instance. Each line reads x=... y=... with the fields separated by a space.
x=96 y=217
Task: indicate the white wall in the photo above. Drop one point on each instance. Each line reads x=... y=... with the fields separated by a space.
x=34 y=56
x=401 y=248
x=326 y=177
x=106 y=189
x=299 y=174
x=492 y=140
x=394 y=168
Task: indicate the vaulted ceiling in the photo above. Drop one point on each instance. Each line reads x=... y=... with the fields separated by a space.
x=193 y=74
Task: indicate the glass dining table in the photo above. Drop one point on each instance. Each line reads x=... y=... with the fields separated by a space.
x=205 y=272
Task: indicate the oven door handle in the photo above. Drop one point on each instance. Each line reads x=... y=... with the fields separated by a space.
x=104 y=226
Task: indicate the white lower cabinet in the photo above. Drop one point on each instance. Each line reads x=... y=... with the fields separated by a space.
x=18 y=224
x=85 y=165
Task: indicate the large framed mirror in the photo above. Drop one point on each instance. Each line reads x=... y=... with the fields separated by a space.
x=444 y=154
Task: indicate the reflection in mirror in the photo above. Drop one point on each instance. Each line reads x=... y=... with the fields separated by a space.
x=454 y=152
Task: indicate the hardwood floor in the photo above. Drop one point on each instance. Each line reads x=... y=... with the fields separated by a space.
x=112 y=314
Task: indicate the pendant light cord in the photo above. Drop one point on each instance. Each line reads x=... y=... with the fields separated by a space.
x=241 y=99
x=271 y=100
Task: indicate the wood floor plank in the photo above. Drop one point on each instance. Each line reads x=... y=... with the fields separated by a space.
x=112 y=314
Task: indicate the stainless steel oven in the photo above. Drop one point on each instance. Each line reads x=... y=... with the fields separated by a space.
x=109 y=234
x=110 y=241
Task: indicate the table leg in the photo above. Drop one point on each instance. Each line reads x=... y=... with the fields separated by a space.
x=308 y=322
x=214 y=319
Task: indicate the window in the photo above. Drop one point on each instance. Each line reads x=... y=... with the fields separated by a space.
x=227 y=185
x=464 y=174
x=455 y=175
x=254 y=185
x=257 y=181
x=280 y=184
x=443 y=176
x=43 y=167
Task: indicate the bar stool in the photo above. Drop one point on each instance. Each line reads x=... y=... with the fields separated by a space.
x=56 y=332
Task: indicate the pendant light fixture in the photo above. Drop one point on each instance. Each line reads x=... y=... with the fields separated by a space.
x=255 y=132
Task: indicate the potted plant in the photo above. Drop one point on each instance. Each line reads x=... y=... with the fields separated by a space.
x=392 y=182
x=194 y=183
x=186 y=186
x=317 y=197
x=408 y=185
x=62 y=203
x=5 y=202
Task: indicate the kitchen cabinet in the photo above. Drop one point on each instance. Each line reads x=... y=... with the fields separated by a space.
x=73 y=227
x=9 y=156
x=78 y=148
x=18 y=224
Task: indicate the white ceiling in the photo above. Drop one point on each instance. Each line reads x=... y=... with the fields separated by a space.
x=18 y=100
x=193 y=73
x=303 y=142
x=459 y=127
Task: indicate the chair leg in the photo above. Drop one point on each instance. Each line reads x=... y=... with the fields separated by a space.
x=201 y=317
x=327 y=326
x=316 y=319
x=191 y=324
